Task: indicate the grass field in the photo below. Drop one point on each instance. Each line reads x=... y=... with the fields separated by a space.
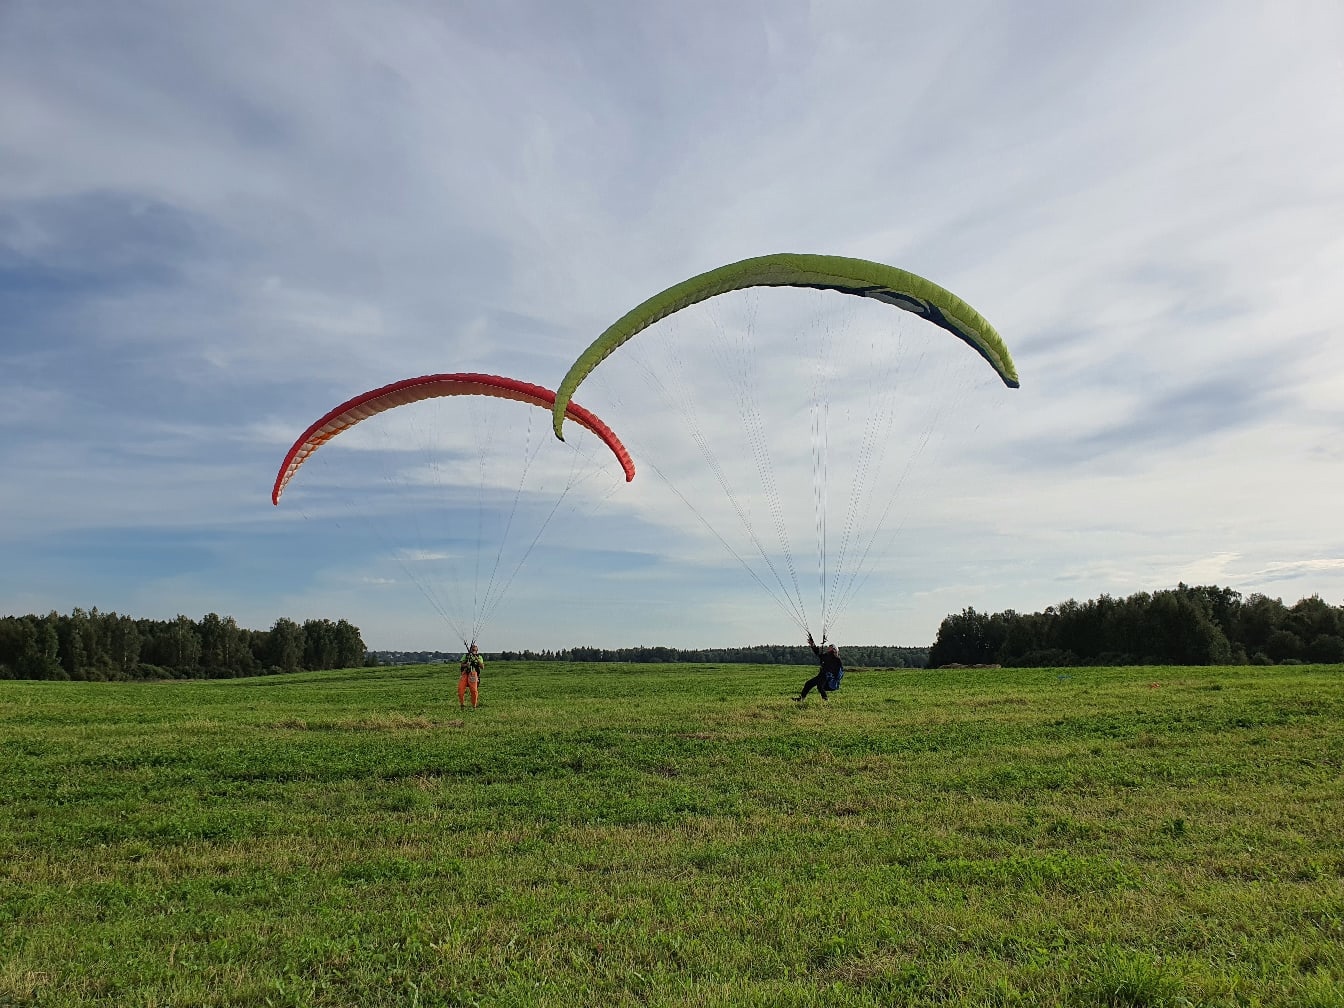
x=677 y=835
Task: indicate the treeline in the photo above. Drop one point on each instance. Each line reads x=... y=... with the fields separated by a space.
x=106 y=646
x=872 y=656
x=1187 y=625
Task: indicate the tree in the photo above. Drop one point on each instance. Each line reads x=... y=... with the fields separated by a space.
x=350 y=649
x=1313 y=617
x=1258 y=618
x=223 y=653
x=1222 y=604
x=1183 y=632
x=320 y=646
x=1327 y=648
x=285 y=645
x=70 y=632
x=41 y=652
x=125 y=645
x=184 y=646
x=970 y=638
x=1283 y=645
x=11 y=646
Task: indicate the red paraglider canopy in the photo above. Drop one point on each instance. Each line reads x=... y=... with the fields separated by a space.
x=411 y=390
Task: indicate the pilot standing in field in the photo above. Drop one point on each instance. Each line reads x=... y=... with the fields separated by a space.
x=471 y=666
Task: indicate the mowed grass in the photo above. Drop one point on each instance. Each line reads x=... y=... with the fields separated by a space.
x=677 y=835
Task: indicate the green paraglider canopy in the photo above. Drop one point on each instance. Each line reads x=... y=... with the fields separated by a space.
x=859 y=277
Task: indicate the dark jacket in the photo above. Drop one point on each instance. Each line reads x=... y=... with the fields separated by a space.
x=832 y=669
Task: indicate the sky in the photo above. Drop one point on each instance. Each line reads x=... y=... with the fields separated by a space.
x=217 y=221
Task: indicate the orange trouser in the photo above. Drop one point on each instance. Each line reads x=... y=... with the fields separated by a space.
x=469 y=681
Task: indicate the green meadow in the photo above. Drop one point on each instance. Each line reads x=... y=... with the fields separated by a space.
x=677 y=835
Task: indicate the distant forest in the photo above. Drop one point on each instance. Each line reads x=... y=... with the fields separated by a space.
x=101 y=646
x=872 y=656
x=1186 y=625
